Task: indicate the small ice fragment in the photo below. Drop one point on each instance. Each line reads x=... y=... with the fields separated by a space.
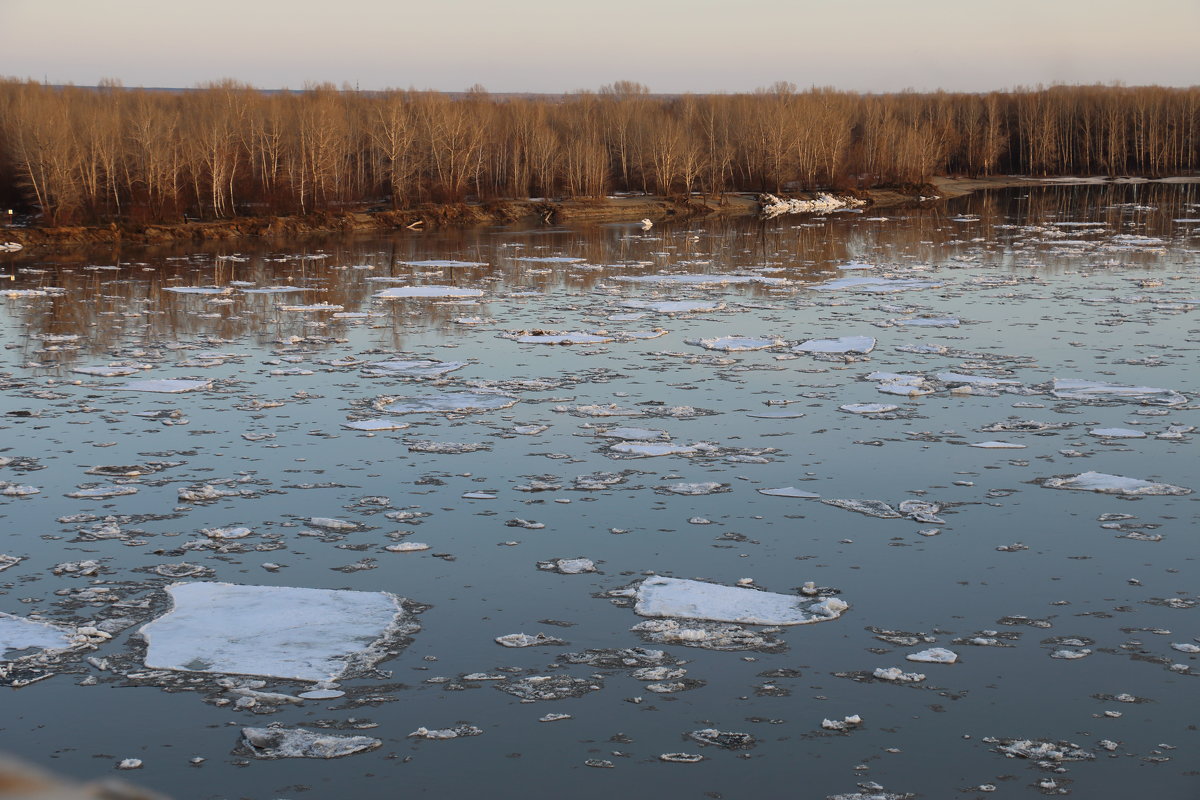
x=553 y=717
x=688 y=599
x=868 y=408
x=998 y=445
x=568 y=566
x=1111 y=484
x=789 y=491
x=163 y=386
x=129 y=763
x=427 y=291
x=375 y=425
x=1117 y=433
x=407 y=547
x=844 y=344
x=934 y=655
x=897 y=675
x=736 y=343
x=525 y=640
x=300 y=743
x=332 y=524
x=322 y=694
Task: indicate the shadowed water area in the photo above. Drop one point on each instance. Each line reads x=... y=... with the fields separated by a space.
x=1008 y=348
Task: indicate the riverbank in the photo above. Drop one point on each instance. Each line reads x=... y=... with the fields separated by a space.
x=612 y=209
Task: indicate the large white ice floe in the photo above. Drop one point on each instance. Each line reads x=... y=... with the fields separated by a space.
x=934 y=655
x=448 y=403
x=411 y=368
x=701 y=279
x=731 y=344
x=428 y=291
x=273 y=631
x=19 y=633
x=1111 y=484
x=1078 y=389
x=163 y=386
x=868 y=408
x=649 y=449
x=675 y=306
x=557 y=337
x=687 y=599
x=843 y=344
x=300 y=743
x=875 y=285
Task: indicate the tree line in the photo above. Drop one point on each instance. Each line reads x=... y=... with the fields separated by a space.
x=107 y=153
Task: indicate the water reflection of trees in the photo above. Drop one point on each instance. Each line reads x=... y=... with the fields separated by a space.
x=116 y=308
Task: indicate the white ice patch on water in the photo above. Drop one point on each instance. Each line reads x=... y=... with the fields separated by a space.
x=1117 y=433
x=272 y=631
x=868 y=408
x=700 y=280
x=375 y=425
x=998 y=445
x=875 y=285
x=1078 y=389
x=450 y=402
x=105 y=372
x=1112 y=484
x=688 y=599
x=19 y=633
x=790 y=491
x=934 y=655
x=736 y=343
x=163 y=386
x=443 y=264
x=648 y=449
x=428 y=292
x=411 y=368
x=675 y=306
x=301 y=743
x=558 y=337
x=843 y=344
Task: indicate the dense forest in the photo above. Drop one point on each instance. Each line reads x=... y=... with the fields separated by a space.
x=108 y=153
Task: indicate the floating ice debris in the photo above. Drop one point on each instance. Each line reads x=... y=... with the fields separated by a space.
x=163 y=386
x=105 y=372
x=648 y=449
x=688 y=599
x=19 y=633
x=411 y=368
x=300 y=743
x=868 y=408
x=333 y=524
x=958 y=378
x=311 y=307
x=1117 y=433
x=375 y=425
x=681 y=758
x=844 y=344
x=7 y=561
x=550 y=687
x=1042 y=750
x=270 y=289
x=634 y=434
x=730 y=740
x=322 y=694
x=457 y=732
x=872 y=508
x=1076 y=389
x=443 y=264
x=691 y=489
x=102 y=492
x=551 y=259
x=428 y=292
x=736 y=343
x=479 y=495
x=447 y=448
x=842 y=724
x=897 y=675
x=274 y=631
x=1185 y=647
x=407 y=547
x=927 y=322
x=875 y=285
x=226 y=533
x=556 y=337
x=525 y=640
x=707 y=635
x=1071 y=655
x=17 y=490
x=1024 y=426
x=198 y=289
x=1111 y=484
x=789 y=491
x=568 y=566
x=11 y=247
x=685 y=279
x=448 y=403
x=924 y=349
x=934 y=655
x=998 y=445
x=675 y=306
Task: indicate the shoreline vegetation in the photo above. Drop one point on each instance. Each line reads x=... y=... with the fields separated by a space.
x=106 y=164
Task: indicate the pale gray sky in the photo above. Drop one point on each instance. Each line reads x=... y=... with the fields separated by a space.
x=561 y=45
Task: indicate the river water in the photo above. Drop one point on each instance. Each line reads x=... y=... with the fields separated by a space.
x=1072 y=613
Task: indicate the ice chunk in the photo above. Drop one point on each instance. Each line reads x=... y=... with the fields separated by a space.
x=428 y=291
x=958 y=378
x=447 y=403
x=446 y=733
x=411 y=368
x=872 y=508
x=688 y=599
x=706 y=487
x=897 y=675
x=557 y=337
x=998 y=445
x=927 y=322
x=375 y=425
x=300 y=743
x=730 y=740
x=868 y=408
x=789 y=491
x=1117 y=433
x=525 y=640
x=843 y=344
x=19 y=633
x=675 y=306
x=635 y=434
x=276 y=631
x=875 y=285
x=1111 y=484
x=699 y=280
x=1077 y=389
x=198 y=289
x=105 y=372
x=568 y=566
x=647 y=449
x=164 y=386
x=736 y=343
x=443 y=264
x=934 y=655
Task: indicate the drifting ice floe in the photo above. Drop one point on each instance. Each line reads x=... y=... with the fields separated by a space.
x=428 y=291
x=411 y=368
x=163 y=386
x=1112 y=484
x=844 y=344
x=449 y=403
x=700 y=280
x=1076 y=389
x=301 y=743
x=789 y=491
x=688 y=599
x=273 y=631
x=557 y=337
x=675 y=306
x=934 y=655
x=443 y=264
x=18 y=633
x=731 y=344
x=875 y=285
x=868 y=408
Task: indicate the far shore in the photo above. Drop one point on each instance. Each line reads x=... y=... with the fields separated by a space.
x=628 y=208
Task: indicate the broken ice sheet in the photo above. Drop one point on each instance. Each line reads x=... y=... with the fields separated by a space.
x=428 y=292
x=447 y=403
x=1111 y=484
x=731 y=344
x=844 y=344
x=411 y=368
x=19 y=633
x=272 y=631
x=675 y=306
x=276 y=742
x=1077 y=389
x=688 y=599
x=789 y=491
x=163 y=386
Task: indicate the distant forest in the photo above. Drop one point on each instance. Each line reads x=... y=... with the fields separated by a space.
x=103 y=154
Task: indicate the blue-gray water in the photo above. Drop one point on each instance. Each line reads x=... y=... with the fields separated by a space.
x=1111 y=300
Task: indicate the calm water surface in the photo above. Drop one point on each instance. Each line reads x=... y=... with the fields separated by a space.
x=1096 y=283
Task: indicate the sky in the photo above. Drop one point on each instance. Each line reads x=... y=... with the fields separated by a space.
x=552 y=46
